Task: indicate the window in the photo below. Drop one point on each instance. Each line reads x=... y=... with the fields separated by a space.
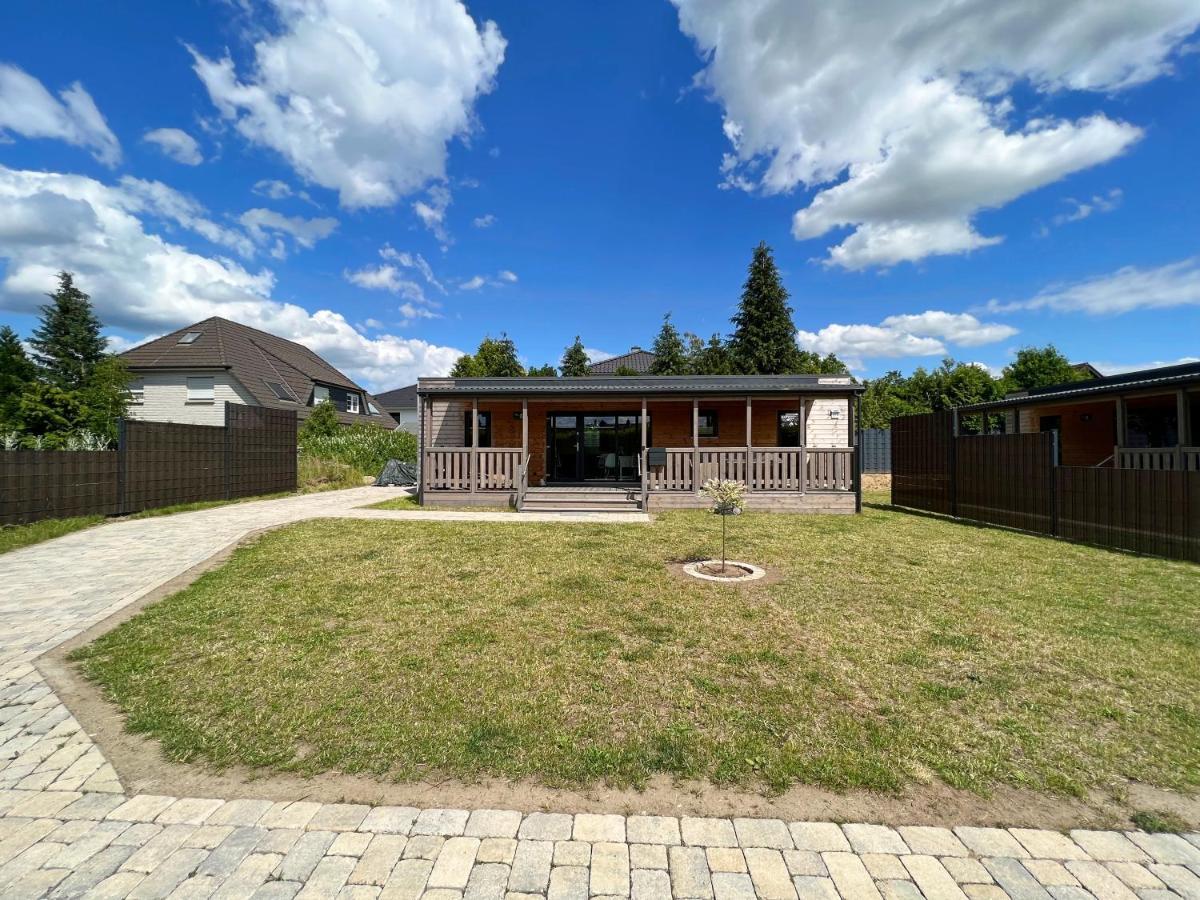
x=788 y=430
x=189 y=338
x=281 y=391
x=708 y=423
x=200 y=390
x=320 y=394
x=485 y=429
x=137 y=392
x=352 y=403
x=372 y=409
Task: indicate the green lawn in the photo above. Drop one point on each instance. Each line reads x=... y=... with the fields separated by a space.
x=894 y=648
x=409 y=502
x=13 y=537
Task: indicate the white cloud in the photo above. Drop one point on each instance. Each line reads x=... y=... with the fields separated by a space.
x=306 y=232
x=28 y=109
x=1082 y=209
x=361 y=96
x=409 y=311
x=474 y=283
x=178 y=145
x=432 y=212
x=386 y=278
x=507 y=276
x=142 y=283
x=923 y=334
x=595 y=356
x=1122 y=291
x=155 y=198
x=412 y=261
x=898 y=112
x=1113 y=368
x=485 y=221
x=279 y=190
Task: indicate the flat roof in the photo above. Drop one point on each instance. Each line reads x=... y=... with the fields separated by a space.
x=644 y=384
x=1166 y=376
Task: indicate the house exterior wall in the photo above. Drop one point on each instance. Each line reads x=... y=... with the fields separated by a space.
x=406 y=418
x=164 y=398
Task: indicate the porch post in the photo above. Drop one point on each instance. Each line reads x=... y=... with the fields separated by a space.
x=1183 y=424
x=422 y=467
x=1122 y=437
x=749 y=444
x=474 y=443
x=695 y=443
x=524 y=429
x=802 y=442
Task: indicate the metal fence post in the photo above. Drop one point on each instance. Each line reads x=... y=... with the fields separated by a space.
x=1054 y=461
x=121 y=463
x=228 y=454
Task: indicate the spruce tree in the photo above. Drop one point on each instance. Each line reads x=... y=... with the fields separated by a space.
x=764 y=337
x=17 y=371
x=67 y=345
x=574 y=360
x=670 y=356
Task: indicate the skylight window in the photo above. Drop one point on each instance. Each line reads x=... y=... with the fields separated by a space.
x=280 y=390
x=190 y=337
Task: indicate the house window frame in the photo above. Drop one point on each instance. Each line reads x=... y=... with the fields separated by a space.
x=137 y=392
x=287 y=395
x=352 y=403
x=485 y=428
x=320 y=394
x=780 y=427
x=714 y=424
x=195 y=394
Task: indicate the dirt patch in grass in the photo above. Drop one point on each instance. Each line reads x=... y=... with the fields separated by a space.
x=909 y=668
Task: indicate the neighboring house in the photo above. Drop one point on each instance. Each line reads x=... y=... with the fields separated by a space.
x=189 y=375
x=636 y=360
x=1149 y=419
x=1087 y=371
x=640 y=442
x=401 y=405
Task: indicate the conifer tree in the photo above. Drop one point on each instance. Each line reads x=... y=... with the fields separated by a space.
x=16 y=372
x=670 y=355
x=574 y=360
x=764 y=337
x=67 y=344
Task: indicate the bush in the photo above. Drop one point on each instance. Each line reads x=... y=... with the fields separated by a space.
x=363 y=447
x=321 y=422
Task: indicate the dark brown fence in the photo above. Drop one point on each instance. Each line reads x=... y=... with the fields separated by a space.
x=156 y=464
x=1012 y=480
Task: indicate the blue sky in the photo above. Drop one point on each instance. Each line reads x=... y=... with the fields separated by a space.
x=388 y=182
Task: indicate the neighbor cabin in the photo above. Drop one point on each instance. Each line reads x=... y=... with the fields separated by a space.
x=647 y=443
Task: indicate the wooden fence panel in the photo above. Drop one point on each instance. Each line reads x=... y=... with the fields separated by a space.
x=168 y=463
x=262 y=450
x=52 y=484
x=1006 y=479
x=923 y=462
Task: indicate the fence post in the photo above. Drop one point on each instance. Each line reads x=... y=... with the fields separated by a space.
x=121 y=463
x=954 y=463
x=228 y=454
x=1054 y=482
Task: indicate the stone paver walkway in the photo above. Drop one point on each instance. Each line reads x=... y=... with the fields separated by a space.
x=67 y=828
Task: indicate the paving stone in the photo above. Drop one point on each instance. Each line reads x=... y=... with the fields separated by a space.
x=809 y=887
x=493 y=823
x=1013 y=877
x=407 y=880
x=985 y=892
x=932 y=841
x=304 y=856
x=1069 y=892
x=289 y=815
x=228 y=855
x=350 y=843
x=1050 y=873
x=805 y=862
x=1108 y=846
x=424 y=846
x=1180 y=879
x=156 y=850
x=442 y=894
x=819 y=837
x=116 y=886
x=593 y=827
x=1166 y=848
x=37 y=882
x=768 y=871
x=143 y=808
x=251 y=873
x=358 y=892
x=97 y=839
x=1135 y=876
x=648 y=856
x=884 y=866
x=874 y=839
x=610 y=869
x=653 y=830
x=531 y=866
x=380 y=858
x=707 y=832
x=390 y=819
x=1102 y=883
x=572 y=853
x=487 y=881
x=932 y=878
x=240 y=812
x=92 y=806
x=991 y=842
x=768 y=833
x=453 y=865
x=1044 y=844
x=338 y=817
x=567 y=883
x=690 y=875
x=496 y=850
x=898 y=889
x=166 y=876
x=726 y=886
x=850 y=876
x=208 y=837
x=327 y=878
x=966 y=870
x=48 y=803
x=546 y=827
x=727 y=859
x=444 y=822
x=279 y=840
x=188 y=811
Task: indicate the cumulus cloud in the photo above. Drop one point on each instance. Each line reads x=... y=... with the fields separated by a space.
x=361 y=96
x=154 y=198
x=28 y=109
x=923 y=334
x=473 y=283
x=1125 y=290
x=485 y=221
x=396 y=276
x=413 y=261
x=144 y=284
x=506 y=276
x=899 y=114
x=432 y=212
x=306 y=232
x=176 y=144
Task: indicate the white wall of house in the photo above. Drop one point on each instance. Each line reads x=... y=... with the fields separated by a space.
x=165 y=398
x=827 y=422
x=406 y=419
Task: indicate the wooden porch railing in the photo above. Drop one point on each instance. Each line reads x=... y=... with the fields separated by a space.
x=522 y=482
x=760 y=468
x=451 y=468
x=1178 y=459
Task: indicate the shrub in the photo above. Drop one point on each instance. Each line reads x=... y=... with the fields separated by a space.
x=321 y=422
x=363 y=447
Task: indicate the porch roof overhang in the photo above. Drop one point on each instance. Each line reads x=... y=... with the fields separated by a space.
x=1145 y=381
x=636 y=386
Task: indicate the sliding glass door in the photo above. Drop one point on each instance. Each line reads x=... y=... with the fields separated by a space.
x=594 y=446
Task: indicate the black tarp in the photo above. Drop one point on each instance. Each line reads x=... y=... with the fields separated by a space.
x=397 y=473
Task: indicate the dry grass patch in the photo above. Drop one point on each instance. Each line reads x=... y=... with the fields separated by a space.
x=893 y=648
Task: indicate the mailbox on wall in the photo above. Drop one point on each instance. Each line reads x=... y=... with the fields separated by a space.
x=656 y=457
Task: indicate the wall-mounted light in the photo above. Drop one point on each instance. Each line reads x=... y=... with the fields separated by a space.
x=517 y=415
x=834 y=412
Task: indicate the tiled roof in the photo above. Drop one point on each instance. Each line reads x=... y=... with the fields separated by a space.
x=644 y=384
x=254 y=357
x=400 y=398
x=637 y=359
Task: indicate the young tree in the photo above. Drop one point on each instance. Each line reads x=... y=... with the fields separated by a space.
x=1036 y=367
x=546 y=371
x=16 y=372
x=321 y=422
x=495 y=358
x=625 y=371
x=709 y=357
x=809 y=363
x=574 y=360
x=669 y=353
x=67 y=344
x=104 y=397
x=764 y=336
